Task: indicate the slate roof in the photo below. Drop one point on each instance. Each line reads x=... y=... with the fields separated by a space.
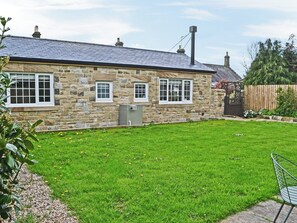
x=223 y=72
x=58 y=51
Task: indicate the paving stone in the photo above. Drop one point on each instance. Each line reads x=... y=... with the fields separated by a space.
x=263 y=212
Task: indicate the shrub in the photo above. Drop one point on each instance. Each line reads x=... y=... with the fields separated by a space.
x=286 y=102
x=15 y=144
x=266 y=112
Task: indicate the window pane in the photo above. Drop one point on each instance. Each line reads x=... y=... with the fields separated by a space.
x=13 y=100
x=12 y=92
x=175 y=90
x=33 y=99
x=32 y=84
x=26 y=92
x=19 y=84
x=26 y=84
x=19 y=100
x=163 y=90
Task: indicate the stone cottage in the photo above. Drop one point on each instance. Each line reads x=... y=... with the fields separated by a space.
x=74 y=85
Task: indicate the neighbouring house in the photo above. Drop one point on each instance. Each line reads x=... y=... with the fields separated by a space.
x=223 y=72
x=75 y=85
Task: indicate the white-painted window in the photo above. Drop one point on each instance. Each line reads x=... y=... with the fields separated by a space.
x=141 y=92
x=176 y=91
x=104 y=91
x=29 y=89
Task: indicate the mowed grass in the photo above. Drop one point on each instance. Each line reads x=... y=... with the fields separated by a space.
x=190 y=172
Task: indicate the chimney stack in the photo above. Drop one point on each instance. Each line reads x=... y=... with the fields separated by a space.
x=193 y=29
x=36 y=33
x=227 y=60
x=181 y=50
x=119 y=43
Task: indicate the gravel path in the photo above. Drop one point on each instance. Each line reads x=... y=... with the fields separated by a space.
x=37 y=201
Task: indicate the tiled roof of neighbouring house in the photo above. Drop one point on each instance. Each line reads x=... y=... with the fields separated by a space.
x=58 y=51
x=223 y=73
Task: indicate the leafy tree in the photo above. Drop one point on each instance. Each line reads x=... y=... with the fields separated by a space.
x=269 y=65
x=290 y=55
x=15 y=143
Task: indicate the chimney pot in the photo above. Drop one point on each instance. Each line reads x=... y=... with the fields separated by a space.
x=180 y=50
x=119 y=43
x=227 y=60
x=36 y=33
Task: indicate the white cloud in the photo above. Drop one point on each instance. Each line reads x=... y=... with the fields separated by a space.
x=68 y=5
x=183 y=3
x=199 y=14
x=275 y=29
x=53 y=4
x=276 y=5
x=100 y=30
x=53 y=23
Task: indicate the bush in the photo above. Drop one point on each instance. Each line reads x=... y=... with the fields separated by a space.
x=266 y=112
x=286 y=102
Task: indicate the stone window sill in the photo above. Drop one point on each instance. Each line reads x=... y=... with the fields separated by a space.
x=99 y=104
x=33 y=109
x=174 y=105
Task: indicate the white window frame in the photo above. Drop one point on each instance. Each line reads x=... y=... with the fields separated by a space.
x=183 y=101
x=37 y=103
x=146 y=98
x=110 y=99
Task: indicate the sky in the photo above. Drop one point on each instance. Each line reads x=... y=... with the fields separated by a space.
x=223 y=25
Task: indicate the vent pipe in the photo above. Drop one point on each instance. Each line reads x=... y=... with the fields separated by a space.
x=193 y=30
x=36 y=33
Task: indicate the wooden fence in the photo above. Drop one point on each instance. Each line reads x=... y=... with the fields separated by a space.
x=262 y=96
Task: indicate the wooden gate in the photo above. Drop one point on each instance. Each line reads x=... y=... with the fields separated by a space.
x=234 y=98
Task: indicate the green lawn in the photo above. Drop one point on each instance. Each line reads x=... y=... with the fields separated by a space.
x=190 y=172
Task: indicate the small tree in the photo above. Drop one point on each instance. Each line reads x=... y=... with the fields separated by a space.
x=15 y=143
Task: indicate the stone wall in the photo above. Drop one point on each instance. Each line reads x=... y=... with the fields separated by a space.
x=76 y=106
